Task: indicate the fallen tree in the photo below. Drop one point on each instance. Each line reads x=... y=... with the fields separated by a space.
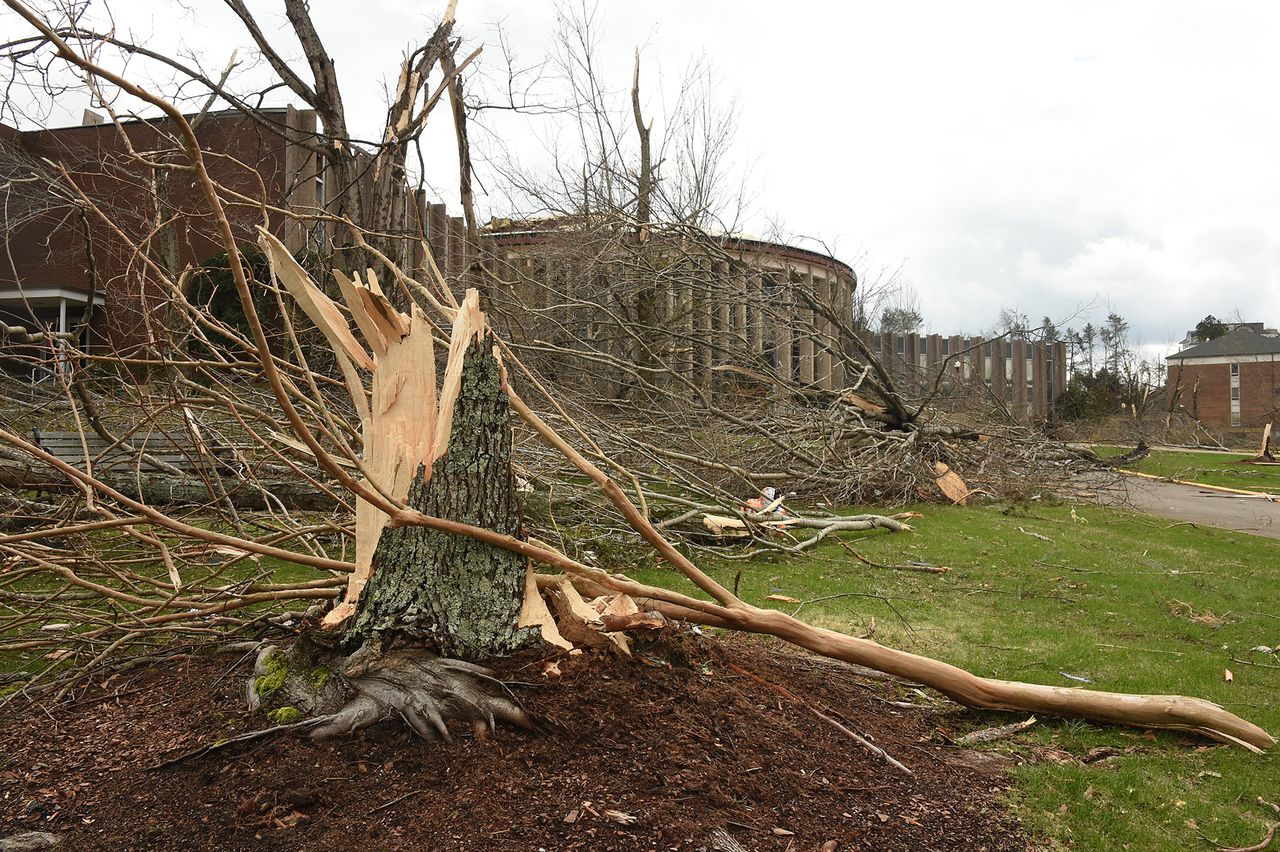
x=442 y=565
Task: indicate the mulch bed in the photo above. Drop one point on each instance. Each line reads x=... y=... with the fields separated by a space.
x=677 y=738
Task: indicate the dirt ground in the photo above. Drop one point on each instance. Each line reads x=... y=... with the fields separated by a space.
x=677 y=739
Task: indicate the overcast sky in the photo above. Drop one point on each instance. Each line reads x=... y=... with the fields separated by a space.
x=1042 y=156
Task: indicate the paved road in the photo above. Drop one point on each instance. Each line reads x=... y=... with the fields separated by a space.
x=1199 y=506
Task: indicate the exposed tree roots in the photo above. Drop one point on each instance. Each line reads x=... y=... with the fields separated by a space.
x=421 y=689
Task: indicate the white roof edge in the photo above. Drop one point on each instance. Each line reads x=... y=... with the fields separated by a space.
x=18 y=294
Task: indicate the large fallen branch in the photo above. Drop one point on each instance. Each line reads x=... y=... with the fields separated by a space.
x=1154 y=711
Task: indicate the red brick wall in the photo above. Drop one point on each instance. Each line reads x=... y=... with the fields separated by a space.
x=1204 y=391
x=243 y=157
x=1260 y=393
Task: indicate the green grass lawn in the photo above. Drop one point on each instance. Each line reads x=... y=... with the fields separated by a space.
x=1208 y=468
x=1133 y=603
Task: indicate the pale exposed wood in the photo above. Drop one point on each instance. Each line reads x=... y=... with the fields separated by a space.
x=580 y=623
x=355 y=387
x=372 y=333
x=376 y=302
x=534 y=613
x=1264 y=456
x=723 y=525
x=399 y=438
x=950 y=484
x=318 y=307
x=987 y=735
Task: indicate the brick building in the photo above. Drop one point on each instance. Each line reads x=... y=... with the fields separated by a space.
x=1025 y=375
x=1233 y=380
x=742 y=303
x=728 y=302
x=47 y=282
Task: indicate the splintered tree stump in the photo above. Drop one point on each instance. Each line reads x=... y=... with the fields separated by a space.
x=442 y=600
x=422 y=605
x=458 y=594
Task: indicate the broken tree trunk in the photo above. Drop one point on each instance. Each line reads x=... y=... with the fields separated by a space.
x=460 y=594
x=443 y=453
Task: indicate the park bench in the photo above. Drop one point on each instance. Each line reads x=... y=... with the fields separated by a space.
x=154 y=452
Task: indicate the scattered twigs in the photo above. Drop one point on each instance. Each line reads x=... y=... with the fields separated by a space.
x=987 y=735
x=857 y=738
x=1261 y=845
x=901 y=566
x=398 y=799
x=219 y=745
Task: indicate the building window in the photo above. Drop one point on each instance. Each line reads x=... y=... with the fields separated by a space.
x=1235 y=394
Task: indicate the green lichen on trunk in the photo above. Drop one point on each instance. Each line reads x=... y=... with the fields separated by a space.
x=461 y=595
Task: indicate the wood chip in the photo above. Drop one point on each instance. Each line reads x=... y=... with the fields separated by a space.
x=950 y=484
x=987 y=735
x=620 y=817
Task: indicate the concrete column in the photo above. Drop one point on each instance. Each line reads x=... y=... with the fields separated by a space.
x=840 y=301
x=457 y=250
x=784 y=318
x=999 y=387
x=755 y=314
x=530 y=282
x=1018 y=396
x=727 y=294
x=889 y=354
x=1059 y=371
x=1039 y=380
x=419 y=227
x=805 y=328
x=438 y=236
x=825 y=339
x=933 y=357
x=741 y=331
x=912 y=360
x=684 y=322
x=704 y=292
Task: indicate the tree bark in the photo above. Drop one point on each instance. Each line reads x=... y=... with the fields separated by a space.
x=459 y=594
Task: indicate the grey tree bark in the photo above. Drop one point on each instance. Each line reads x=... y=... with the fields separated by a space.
x=461 y=595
